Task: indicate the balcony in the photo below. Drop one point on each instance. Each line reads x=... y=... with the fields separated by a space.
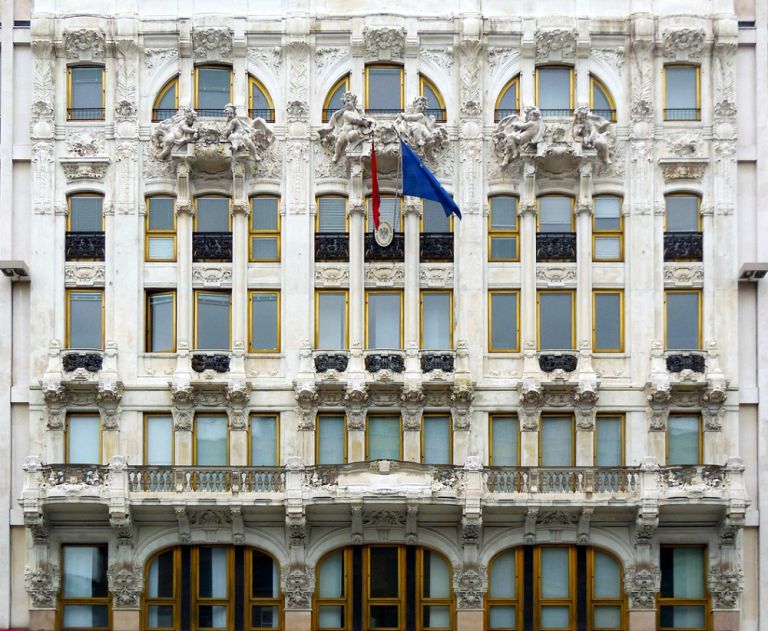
x=160 y=114
x=436 y=246
x=232 y=480
x=331 y=246
x=85 y=114
x=218 y=362
x=375 y=361
x=556 y=246
x=682 y=114
x=331 y=361
x=84 y=246
x=503 y=113
x=395 y=251
x=267 y=114
x=436 y=361
x=678 y=361
x=569 y=481
x=212 y=246
x=92 y=362
x=551 y=361
x=557 y=113
x=683 y=246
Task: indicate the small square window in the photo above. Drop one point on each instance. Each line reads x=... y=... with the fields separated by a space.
x=556 y=214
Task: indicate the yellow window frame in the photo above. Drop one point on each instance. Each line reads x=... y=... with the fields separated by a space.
x=500 y=416
x=168 y=601
x=681 y=602
x=251 y=293
x=150 y=293
x=318 y=421
x=256 y=234
x=491 y=601
x=594 y=82
x=555 y=67
x=444 y=415
x=221 y=415
x=370 y=601
x=330 y=196
x=320 y=292
x=72 y=196
x=622 y=423
x=254 y=82
x=539 y=294
x=595 y=294
x=149 y=233
x=343 y=82
x=370 y=292
x=212 y=196
x=696 y=196
x=98 y=601
x=509 y=234
x=422 y=600
x=514 y=81
x=218 y=66
x=697 y=69
x=170 y=83
x=369 y=211
x=593 y=601
x=197 y=293
x=426 y=81
x=251 y=417
x=699 y=293
x=538 y=209
x=145 y=441
x=491 y=293
x=367 y=82
x=618 y=234
x=551 y=415
x=345 y=600
x=679 y=414
x=253 y=601
x=69 y=91
x=383 y=415
x=197 y=600
x=425 y=292
x=95 y=415
x=540 y=601
x=68 y=315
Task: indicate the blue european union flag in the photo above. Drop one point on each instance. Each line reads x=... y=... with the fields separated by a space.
x=418 y=181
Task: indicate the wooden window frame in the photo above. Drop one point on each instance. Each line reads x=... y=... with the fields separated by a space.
x=215 y=413
x=150 y=293
x=695 y=67
x=149 y=233
x=318 y=420
x=425 y=292
x=252 y=601
x=698 y=292
x=210 y=196
x=605 y=292
x=369 y=292
x=345 y=600
x=89 y=414
x=196 y=600
x=681 y=602
x=198 y=292
x=70 y=107
x=68 y=315
x=549 y=415
x=276 y=417
x=593 y=601
x=274 y=234
x=343 y=81
x=539 y=601
x=491 y=601
x=697 y=196
x=173 y=601
x=698 y=416
x=145 y=438
x=445 y=415
x=491 y=419
x=622 y=423
x=251 y=293
x=196 y=71
x=503 y=233
x=64 y=601
x=539 y=293
x=595 y=82
x=367 y=431
x=320 y=292
x=513 y=81
x=618 y=234
x=370 y=601
x=491 y=293
x=346 y=212
x=423 y=601
x=368 y=82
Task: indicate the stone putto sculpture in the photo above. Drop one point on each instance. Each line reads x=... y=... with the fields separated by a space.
x=241 y=133
x=593 y=132
x=420 y=130
x=347 y=128
x=514 y=134
x=177 y=131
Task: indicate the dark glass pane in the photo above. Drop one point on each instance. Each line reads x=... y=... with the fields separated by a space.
x=264 y=248
x=264 y=617
x=384 y=573
x=212 y=573
x=212 y=214
x=555 y=321
x=85 y=213
x=682 y=617
x=263 y=576
x=160 y=616
x=384 y=88
x=161 y=576
x=87 y=92
x=212 y=617
x=384 y=617
x=213 y=88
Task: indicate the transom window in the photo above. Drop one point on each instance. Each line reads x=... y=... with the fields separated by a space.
x=85 y=319
x=600 y=100
x=333 y=99
x=86 y=93
x=384 y=319
x=383 y=89
x=259 y=102
x=557 y=320
x=683 y=599
x=265 y=228
x=160 y=241
x=554 y=90
x=683 y=319
x=503 y=229
x=85 y=599
x=435 y=102
x=508 y=102
x=213 y=89
x=167 y=101
x=607 y=229
x=681 y=93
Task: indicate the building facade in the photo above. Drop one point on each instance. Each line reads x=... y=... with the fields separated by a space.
x=247 y=409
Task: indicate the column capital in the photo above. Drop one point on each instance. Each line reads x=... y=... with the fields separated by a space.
x=356 y=207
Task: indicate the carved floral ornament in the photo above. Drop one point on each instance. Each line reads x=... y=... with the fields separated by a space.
x=84 y=44
x=212 y=43
x=555 y=44
x=683 y=43
x=126 y=583
x=384 y=43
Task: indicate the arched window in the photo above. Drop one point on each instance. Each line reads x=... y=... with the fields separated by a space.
x=167 y=101
x=333 y=99
x=600 y=99
x=554 y=90
x=260 y=104
x=435 y=102
x=508 y=102
x=384 y=90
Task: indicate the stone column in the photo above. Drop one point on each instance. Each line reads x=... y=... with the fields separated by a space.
x=297 y=579
x=356 y=211
x=584 y=211
x=527 y=216
x=411 y=294
x=184 y=298
x=241 y=212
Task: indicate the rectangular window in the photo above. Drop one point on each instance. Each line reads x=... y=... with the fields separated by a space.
x=161 y=321
x=85 y=213
x=436 y=320
x=684 y=444
x=265 y=228
x=554 y=90
x=505 y=591
x=86 y=93
x=503 y=321
x=505 y=441
x=556 y=588
x=609 y=440
x=212 y=578
x=213 y=90
x=434 y=598
x=384 y=89
x=608 y=321
x=331 y=214
x=384 y=316
x=436 y=439
x=85 y=593
x=85 y=319
x=265 y=321
x=683 y=594
x=607 y=229
x=331 y=445
x=211 y=440
x=212 y=214
x=556 y=441
x=331 y=309
x=433 y=218
x=682 y=213
x=265 y=440
x=389 y=210
x=160 y=229
x=212 y=320
x=556 y=214
x=333 y=590
x=83 y=439
x=683 y=319
x=681 y=93
x=503 y=230
x=158 y=439
x=557 y=327
x=383 y=440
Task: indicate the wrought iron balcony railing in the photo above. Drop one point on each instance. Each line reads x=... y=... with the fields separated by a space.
x=267 y=114
x=84 y=246
x=331 y=361
x=212 y=246
x=92 y=362
x=218 y=362
x=161 y=114
x=331 y=246
x=556 y=246
x=503 y=113
x=562 y=113
x=683 y=246
x=685 y=360
x=395 y=251
x=436 y=361
x=682 y=114
x=85 y=114
x=436 y=246
x=375 y=362
x=551 y=361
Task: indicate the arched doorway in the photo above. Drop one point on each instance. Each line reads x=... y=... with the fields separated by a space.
x=213 y=588
x=376 y=587
x=561 y=587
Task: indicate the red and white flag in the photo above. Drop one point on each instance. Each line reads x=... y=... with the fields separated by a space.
x=375 y=198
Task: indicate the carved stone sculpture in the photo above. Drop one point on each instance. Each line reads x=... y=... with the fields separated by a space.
x=42 y=585
x=126 y=582
x=514 y=134
x=420 y=130
x=347 y=128
x=241 y=133
x=175 y=132
x=593 y=132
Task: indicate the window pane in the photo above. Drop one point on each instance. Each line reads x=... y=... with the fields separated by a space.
x=555 y=89
x=436 y=321
x=212 y=616
x=160 y=577
x=161 y=213
x=160 y=616
x=264 y=319
x=384 y=88
x=85 y=571
x=437 y=617
x=435 y=219
x=263 y=441
x=265 y=617
x=389 y=210
x=330 y=440
x=264 y=213
x=555 y=617
x=211 y=440
x=504 y=441
x=683 y=617
x=607 y=248
x=161 y=249
x=162 y=316
x=84 y=616
x=682 y=572
x=607 y=617
x=557 y=441
x=607 y=213
x=555 y=321
x=503 y=582
x=332 y=320
x=334 y=102
x=213 y=88
x=680 y=87
x=332 y=214
x=683 y=437
x=503 y=212
x=554 y=573
x=83 y=440
x=168 y=100
x=504 y=321
x=85 y=213
x=509 y=100
x=682 y=320
x=212 y=573
x=384 y=438
x=212 y=214
x=159 y=440
x=85 y=310
x=384 y=321
x=682 y=213
x=264 y=248
x=608 y=447
x=607 y=577
x=87 y=87
x=330 y=617
x=437 y=440
x=555 y=214
x=265 y=576
x=607 y=321
x=258 y=99
x=384 y=572
x=213 y=321
x=502 y=617
x=331 y=579
x=384 y=617
x=437 y=577
x=599 y=98
x=503 y=248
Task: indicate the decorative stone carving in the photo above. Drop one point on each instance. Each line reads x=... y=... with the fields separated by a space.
x=237 y=395
x=84 y=44
x=298 y=585
x=555 y=44
x=612 y=56
x=683 y=170
x=156 y=57
x=412 y=401
x=384 y=519
x=436 y=275
x=210 y=276
x=690 y=275
x=641 y=583
x=183 y=397
x=462 y=395
x=593 y=132
x=442 y=57
x=382 y=275
x=347 y=128
x=725 y=586
x=514 y=134
x=420 y=131
x=556 y=274
x=212 y=43
x=498 y=57
x=531 y=400
x=126 y=583
x=269 y=56
x=108 y=397
x=684 y=43
x=384 y=43
x=83 y=144
x=469 y=585
x=244 y=134
x=175 y=132
x=327 y=56
x=469 y=76
x=42 y=584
